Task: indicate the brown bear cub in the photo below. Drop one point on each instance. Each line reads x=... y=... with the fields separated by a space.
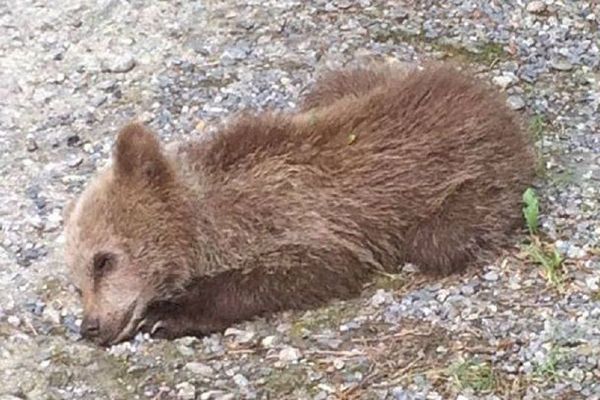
x=289 y=210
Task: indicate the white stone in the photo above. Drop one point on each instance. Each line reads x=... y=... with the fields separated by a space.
x=442 y=295
x=14 y=321
x=199 y=369
x=516 y=102
x=535 y=7
x=504 y=81
x=241 y=336
x=592 y=282
x=186 y=391
x=289 y=354
x=214 y=394
x=491 y=276
x=240 y=380
x=338 y=363
x=52 y=314
x=268 y=341
x=561 y=65
x=381 y=297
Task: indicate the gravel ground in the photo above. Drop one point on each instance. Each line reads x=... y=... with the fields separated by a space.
x=72 y=72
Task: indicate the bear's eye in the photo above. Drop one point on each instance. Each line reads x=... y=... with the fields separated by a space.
x=102 y=263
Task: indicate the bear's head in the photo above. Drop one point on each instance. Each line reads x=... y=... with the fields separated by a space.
x=129 y=237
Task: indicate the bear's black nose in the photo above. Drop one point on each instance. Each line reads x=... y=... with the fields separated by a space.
x=90 y=327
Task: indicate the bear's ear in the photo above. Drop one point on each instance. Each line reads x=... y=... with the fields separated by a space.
x=138 y=156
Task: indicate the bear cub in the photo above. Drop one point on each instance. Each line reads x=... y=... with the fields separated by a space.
x=288 y=210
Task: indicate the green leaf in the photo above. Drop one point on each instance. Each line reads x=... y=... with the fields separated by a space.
x=531 y=210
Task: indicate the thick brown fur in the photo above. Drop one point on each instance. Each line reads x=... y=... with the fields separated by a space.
x=287 y=211
x=333 y=84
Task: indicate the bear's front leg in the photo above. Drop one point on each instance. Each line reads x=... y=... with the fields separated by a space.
x=172 y=320
x=296 y=277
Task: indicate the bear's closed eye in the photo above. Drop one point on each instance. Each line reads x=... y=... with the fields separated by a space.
x=103 y=262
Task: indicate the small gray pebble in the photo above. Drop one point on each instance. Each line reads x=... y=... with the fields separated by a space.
x=516 y=102
x=491 y=276
x=186 y=391
x=289 y=354
x=561 y=65
x=536 y=6
x=400 y=393
x=241 y=336
x=31 y=145
x=504 y=81
x=74 y=161
x=98 y=101
x=467 y=290
x=73 y=140
x=199 y=369
x=240 y=380
x=322 y=395
x=107 y=85
x=343 y=4
x=120 y=64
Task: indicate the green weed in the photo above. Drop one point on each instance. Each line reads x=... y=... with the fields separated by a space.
x=548 y=369
x=549 y=258
x=475 y=375
x=531 y=210
x=537 y=125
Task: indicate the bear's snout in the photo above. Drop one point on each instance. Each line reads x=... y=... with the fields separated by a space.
x=90 y=328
